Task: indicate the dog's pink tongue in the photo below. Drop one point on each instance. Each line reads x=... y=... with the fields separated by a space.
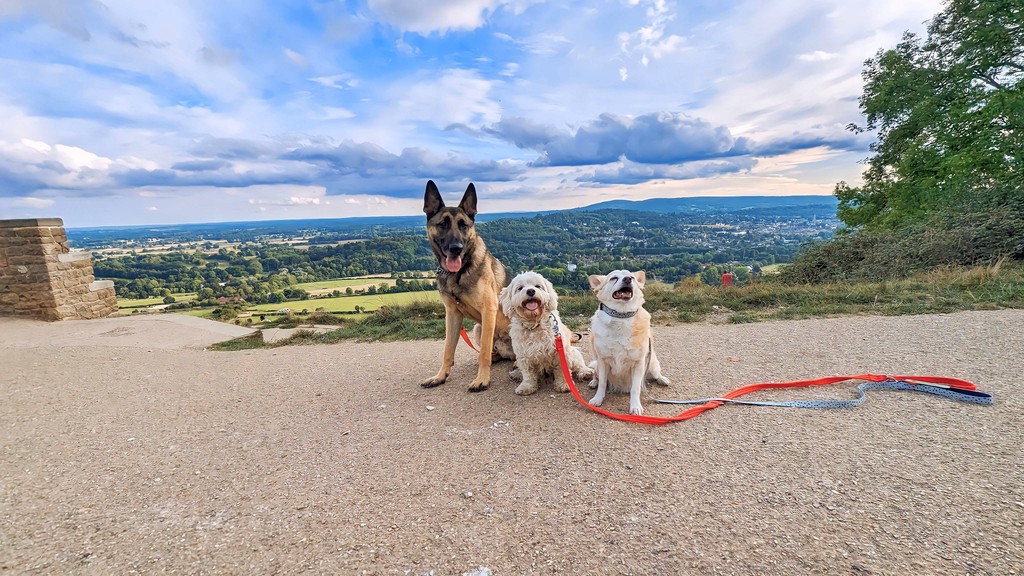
x=453 y=263
x=531 y=305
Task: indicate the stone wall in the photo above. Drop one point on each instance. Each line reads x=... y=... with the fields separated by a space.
x=42 y=278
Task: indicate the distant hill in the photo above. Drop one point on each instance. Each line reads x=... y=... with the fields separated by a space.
x=360 y=227
x=716 y=204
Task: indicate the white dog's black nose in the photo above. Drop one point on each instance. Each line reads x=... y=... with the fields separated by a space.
x=628 y=280
x=531 y=292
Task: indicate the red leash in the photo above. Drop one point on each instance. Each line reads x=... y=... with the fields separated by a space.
x=466 y=338
x=952 y=383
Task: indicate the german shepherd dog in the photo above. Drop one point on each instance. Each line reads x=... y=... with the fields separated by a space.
x=469 y=279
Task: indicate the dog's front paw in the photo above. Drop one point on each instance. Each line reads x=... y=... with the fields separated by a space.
x=479 y=386
x=597 y=400
x=527 y=388
x=636 y=409
x=561 y=385
x=516 y=374
x=435 y=381
x=662 y=381
x=588 y=374
x=593 y=383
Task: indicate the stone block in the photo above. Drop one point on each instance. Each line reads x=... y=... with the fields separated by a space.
x=32 y=223
x=75 y=257
x=34 y=233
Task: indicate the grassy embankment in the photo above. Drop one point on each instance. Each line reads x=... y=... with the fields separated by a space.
x=938 y=291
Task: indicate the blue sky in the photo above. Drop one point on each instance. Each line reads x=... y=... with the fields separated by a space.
x=121 y=112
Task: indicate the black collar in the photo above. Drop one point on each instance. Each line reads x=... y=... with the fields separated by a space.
x=616 y=314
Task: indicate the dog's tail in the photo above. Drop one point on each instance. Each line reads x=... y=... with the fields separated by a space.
x=474 y=335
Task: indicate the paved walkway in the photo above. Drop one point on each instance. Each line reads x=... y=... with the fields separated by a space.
x=149 y=331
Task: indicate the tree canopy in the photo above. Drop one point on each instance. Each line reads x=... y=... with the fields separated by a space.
x=949 y=114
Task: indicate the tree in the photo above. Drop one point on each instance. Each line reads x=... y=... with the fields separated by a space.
x=949 y=112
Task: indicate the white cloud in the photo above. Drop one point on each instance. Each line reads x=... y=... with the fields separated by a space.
x=334 y=113
x=817 y=56
x=32 y=202
x=652 y=40
x=295 y=57
x=426 y=16
x=458 y=96
x=339 y=81
x=405 y=48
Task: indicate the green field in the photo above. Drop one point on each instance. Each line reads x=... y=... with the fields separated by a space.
x=358 y=283
x=141 y=302
x=348 y=303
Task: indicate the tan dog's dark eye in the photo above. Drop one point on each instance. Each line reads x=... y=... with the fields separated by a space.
x=463 y=225
x=444 y=224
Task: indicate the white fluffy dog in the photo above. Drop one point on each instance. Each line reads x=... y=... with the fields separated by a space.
x=530 y=302
x=620 y=332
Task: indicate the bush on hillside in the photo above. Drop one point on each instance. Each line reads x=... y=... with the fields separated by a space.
x=965 y=236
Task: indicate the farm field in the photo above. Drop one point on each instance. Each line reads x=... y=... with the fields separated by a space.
x=359 y=283
x=366 y=302
x=140 y=302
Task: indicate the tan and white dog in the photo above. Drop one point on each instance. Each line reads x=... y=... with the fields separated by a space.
x=530 y=302
x=620 y=333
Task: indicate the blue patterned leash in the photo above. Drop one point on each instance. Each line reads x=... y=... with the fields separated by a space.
x=958 y=394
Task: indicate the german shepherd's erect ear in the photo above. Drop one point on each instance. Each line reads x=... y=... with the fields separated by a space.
x=432 y=202
x=468 y=204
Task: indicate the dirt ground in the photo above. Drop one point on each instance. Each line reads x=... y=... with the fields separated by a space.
x=125 y=448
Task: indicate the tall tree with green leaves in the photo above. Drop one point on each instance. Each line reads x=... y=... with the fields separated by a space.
x=949 y=115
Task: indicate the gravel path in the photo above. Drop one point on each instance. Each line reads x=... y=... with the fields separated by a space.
x=125 y=454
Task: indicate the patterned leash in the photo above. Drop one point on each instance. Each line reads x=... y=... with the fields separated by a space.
x=890 y=383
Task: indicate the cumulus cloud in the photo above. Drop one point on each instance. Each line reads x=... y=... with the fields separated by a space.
x=199 y=165
x=659 y=138
x=627 y=172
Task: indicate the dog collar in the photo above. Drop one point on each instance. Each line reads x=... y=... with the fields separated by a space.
x=616 y=314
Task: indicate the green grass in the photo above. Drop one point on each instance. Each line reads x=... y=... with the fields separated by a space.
x=942 y=290
x=349 y=303
x=938 y=291
x=343 y=283
x=142 y=302
x=361 y=282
